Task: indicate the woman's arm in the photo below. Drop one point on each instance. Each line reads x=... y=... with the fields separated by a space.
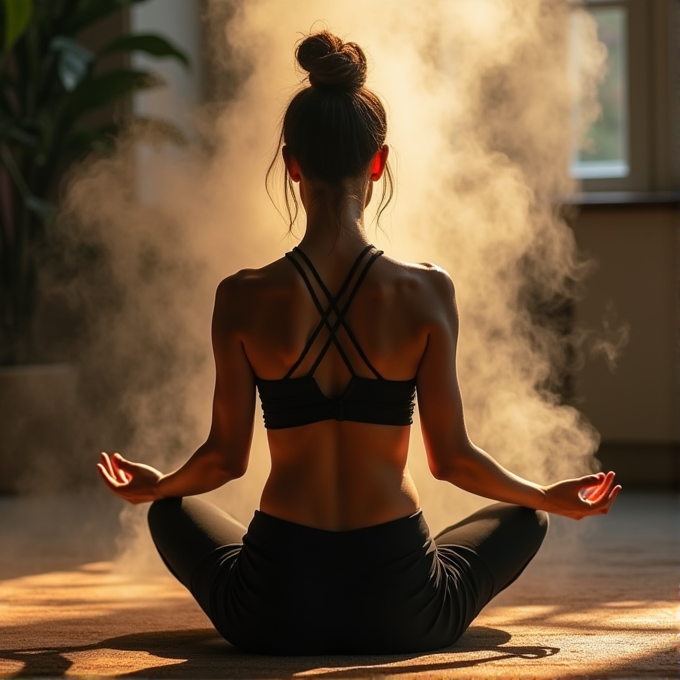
x=454 y=458
x=224 y=455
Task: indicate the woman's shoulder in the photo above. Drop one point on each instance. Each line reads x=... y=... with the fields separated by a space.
x=251 y=281
x=424 y=278
x=252 y=289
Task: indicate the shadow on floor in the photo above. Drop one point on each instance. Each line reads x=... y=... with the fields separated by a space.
x=203 y=653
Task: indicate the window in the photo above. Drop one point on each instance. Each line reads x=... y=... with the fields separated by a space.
x=604 y=151
x=634 y=144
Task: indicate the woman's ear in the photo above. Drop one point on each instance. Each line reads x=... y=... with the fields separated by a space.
x=291 y=164
x=379 y=162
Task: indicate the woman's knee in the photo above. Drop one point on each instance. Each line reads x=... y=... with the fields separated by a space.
x=161 y=513
x=543 y=519
x=534 y=525
x=498 y=522
x=531 y=522
x=519 y=521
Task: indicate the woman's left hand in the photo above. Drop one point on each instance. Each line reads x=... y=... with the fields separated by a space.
x=579 y=498
x=133 y=482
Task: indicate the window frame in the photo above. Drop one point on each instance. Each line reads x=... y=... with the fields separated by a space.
x=652 y=32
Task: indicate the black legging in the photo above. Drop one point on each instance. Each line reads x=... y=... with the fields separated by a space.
x=279 y=587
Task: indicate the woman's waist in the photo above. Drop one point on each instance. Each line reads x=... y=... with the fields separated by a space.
x=296 y=547
x=336 y=519
x=339 y=500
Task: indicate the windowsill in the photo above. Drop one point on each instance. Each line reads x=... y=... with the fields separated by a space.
x=620 y=198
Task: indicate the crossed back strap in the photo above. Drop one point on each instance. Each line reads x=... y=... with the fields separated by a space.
x=333 y=307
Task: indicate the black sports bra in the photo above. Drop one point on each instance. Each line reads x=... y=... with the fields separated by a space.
x=290 y=402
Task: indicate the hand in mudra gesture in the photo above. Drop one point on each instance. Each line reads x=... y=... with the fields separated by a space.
x=579 y=498
x=133 y=482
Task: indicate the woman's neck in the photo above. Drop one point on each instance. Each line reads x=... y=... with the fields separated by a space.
x=335 y=217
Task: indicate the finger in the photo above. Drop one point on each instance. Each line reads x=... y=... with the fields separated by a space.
x=588 y=486
x=108 y=479
x=612 y=497
x=613 y=494
x=120 y=474
x=605 y=501
x=106 y=464
x=112 y=473
x=591 y=480
x=110 y=466
x=601 y=492
x=124 y=467
x=589 y=492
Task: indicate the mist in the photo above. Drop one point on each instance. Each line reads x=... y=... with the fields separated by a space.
x=481 y=96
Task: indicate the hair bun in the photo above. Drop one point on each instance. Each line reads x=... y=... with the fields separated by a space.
x=332 y=63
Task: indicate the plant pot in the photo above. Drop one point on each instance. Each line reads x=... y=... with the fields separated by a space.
x=37 y=427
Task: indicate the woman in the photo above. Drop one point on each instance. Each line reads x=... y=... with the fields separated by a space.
x=338 y=338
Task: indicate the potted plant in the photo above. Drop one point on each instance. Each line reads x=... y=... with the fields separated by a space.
x=51 y=87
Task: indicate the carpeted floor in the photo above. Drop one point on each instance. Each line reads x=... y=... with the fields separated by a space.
x=599 y=601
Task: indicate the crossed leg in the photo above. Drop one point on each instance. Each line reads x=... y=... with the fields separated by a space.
x=499 y=541
x=186 y=531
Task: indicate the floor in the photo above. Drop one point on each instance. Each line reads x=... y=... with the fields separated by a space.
x=600 y=601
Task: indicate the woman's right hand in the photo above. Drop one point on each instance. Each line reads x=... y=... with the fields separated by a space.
x=579 y=498
x=133 y=482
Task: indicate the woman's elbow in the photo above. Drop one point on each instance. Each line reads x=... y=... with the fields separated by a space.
x=224 y=466
x=443 y=470
x=451 y=467
x=229 y=467
x=235 y=469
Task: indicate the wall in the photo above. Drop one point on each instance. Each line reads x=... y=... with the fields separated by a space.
x=635 y=403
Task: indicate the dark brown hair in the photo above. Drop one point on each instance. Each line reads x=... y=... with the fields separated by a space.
x=334 y=126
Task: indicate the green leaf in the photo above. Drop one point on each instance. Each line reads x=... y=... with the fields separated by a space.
x=73 y=63
x=103 y=138
x=85 y=140
x=149 y=43
x=93 y=93
x=41 y=208
x=92 y=11
x=7 y=107
x=17 y=15
x=16 y=134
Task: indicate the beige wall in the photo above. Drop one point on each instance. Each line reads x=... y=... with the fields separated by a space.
x=636 y=252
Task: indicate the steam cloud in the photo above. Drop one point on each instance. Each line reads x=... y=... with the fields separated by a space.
x=480 y=99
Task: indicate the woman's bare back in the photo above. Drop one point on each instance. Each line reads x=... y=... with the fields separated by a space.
x=330 y=474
